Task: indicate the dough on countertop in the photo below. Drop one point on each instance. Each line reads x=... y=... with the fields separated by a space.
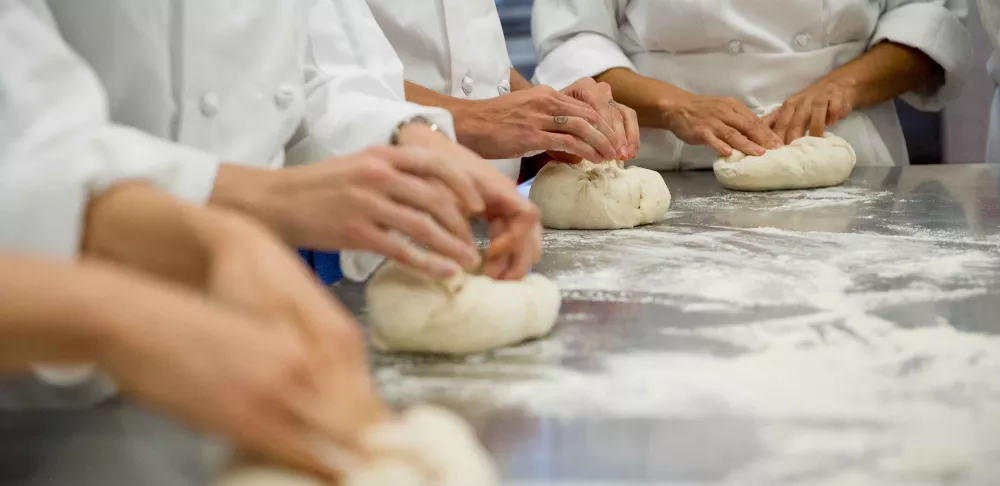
x=429 y=446
x=602 y=195
x=410 y=311
x=806 y=163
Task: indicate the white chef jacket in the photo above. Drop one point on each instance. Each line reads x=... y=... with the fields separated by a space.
x=57 y=150
x=57 y=145
x=251 y=82
x=759 y=52
x=989 y=13
x=244 y=82
x=452 y=47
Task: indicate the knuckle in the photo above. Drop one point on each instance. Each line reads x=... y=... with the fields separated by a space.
x=376 y=171
x=729 y=133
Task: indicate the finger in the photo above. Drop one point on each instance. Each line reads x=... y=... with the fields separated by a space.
x=598 y=97
x=581 y=123
x=720 y=146
x=837 y=110
x=631 y=121
x=498 y=261
x=424 y=230
x=559 y=142
x=754 y=128
x=434 y=198
x=784 y=119
x=817 y=118
x=737 y=140
x=396 y=248
x=518 y=226
x=427 y=163
x=522 y=261
x=800 y=121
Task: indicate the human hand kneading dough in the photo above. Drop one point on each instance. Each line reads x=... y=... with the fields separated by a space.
x=812 y=110
x=515 y=222
x=724 y=124
x=622 y=120
x=533 y=119
x=364 y=201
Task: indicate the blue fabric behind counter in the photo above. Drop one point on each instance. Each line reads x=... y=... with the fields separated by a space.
x=327 y=265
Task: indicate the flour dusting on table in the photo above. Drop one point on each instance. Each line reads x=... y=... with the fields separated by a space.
x=837 y=338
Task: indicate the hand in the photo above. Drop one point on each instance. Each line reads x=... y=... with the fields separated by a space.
x=224 y=372
x=723 y=123
x=251 y=270
x=621 y=119
x=821 y=105
x=515 y=231
x=360 y=201
x=533 y=119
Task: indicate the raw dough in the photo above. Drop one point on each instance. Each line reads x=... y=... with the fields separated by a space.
x=430 y=446
x=599 y=196
x=803 y=164
x=410 y=311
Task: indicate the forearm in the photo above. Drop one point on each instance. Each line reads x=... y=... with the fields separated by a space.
x=469 y=128
x=49 y=312
x=136 y=226
x=646 y=96
x=423 y=96
x=518 y=82
x=885 y=72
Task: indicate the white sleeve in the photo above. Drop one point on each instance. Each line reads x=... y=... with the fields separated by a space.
x=576 y=39
x=354 y=85
x=936 y=28
x=57 y=147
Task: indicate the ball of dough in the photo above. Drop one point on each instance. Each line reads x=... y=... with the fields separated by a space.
x=805 y=163
x=429 y=446
x=410 y=311
x=599 y=196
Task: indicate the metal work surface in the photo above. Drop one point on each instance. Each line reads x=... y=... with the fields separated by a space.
x=841 y=336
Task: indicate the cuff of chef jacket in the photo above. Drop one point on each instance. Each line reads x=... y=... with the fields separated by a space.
x=43 y=200
x=940 y=34
x=584 y=55
x=369 y=125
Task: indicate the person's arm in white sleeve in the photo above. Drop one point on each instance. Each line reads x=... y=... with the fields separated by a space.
x=354 y=85
x=936 y=29
x=920 y=52
x=57 y=147
x=576 y=39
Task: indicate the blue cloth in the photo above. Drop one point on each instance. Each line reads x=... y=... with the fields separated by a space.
x=525 y=187
x=325 y=265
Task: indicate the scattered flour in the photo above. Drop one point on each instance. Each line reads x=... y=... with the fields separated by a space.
x=839 y=392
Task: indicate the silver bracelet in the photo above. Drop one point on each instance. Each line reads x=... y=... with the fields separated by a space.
x=394 y=138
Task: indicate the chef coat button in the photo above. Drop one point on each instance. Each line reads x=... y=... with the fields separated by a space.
x=803 y=40
x=284 y=97
x=735 y=46
x=504 y=87
x=467 y=86
x=209 y=104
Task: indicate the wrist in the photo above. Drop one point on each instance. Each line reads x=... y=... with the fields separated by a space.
x=419 y=134
x=258 y=193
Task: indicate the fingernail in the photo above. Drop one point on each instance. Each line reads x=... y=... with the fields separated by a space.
x=623 y=152
x=633 y=149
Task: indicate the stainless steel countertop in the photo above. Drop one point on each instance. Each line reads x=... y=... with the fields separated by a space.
x=833 y=337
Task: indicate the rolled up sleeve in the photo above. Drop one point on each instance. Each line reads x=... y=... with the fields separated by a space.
x=936 y=28
x=576 y=39
x=354 y=85
x=57 y=146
